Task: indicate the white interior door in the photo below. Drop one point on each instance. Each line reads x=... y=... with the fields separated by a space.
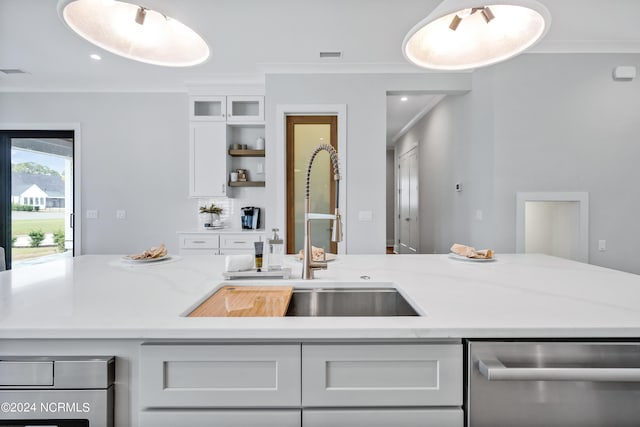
x=408 y=223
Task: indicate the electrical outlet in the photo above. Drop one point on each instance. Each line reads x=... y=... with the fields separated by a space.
x=121 y=214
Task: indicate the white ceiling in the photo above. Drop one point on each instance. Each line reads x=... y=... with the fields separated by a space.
x=249 y=38
x=401 y=114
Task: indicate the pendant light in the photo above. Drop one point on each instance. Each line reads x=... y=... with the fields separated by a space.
x=134 y=31
x=466 y=34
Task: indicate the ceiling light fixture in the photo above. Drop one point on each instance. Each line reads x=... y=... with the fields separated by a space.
x=404 y=99
x=466 y=34
x=134 y=32
x=95 y=56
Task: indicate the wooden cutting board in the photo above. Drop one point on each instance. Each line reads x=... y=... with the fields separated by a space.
x=246 y=301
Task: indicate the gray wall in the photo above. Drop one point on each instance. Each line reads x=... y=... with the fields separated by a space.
x=563 y=124
x=535 y=123
x=365 y=98
x=134 y=157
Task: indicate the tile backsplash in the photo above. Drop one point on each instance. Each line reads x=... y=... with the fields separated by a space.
x=231 y=210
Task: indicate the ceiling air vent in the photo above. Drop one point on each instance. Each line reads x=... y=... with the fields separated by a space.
x=12 y=71
x=331 y=55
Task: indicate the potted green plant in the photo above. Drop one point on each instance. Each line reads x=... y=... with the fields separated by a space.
x=209 y=215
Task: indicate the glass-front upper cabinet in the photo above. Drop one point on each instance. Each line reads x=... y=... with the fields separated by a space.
x=208 y=108
x=247 y=108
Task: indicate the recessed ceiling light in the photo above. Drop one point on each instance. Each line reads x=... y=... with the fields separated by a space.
x=466 y=34
x=404 y=99
x=95 y=56
x=134 y=32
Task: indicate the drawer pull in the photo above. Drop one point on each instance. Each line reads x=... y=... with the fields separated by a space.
x=199 y=241
x=240 y=242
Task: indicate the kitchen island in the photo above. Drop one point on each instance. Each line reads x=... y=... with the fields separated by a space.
x=100 y=305
x=516 y=296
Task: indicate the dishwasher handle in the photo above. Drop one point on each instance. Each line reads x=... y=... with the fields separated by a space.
x=494 y=370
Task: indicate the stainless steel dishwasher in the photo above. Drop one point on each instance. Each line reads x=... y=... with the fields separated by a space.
x=64 y=391
x=551 y=384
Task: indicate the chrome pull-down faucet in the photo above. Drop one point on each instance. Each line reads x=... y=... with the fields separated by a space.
x=336 y=234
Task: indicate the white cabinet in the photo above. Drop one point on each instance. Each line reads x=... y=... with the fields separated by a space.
x=207 y=160
x=212 y=243
x=208 y=108
x=221 y=418
x=374 y=417
x=219 y=376
x=302 y=384
x=245 y=108
x=237 y=108
x=216 y=124
x=238 y=243
x=382 y=374
x=199 y=244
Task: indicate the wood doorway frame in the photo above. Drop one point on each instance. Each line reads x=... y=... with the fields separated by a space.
x=291 y=121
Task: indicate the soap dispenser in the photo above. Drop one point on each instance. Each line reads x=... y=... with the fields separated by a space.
x=275 y=252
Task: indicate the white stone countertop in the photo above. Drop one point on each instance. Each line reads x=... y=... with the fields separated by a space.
x=519 y=296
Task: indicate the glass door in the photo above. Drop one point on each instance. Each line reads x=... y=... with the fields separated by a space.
x=304 y=134
x=37 y=213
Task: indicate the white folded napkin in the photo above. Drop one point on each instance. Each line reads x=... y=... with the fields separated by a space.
x=242 y=262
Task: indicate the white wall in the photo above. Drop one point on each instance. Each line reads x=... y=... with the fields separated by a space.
x=365 y=98
x=134 y=157
x=450 y=153
x=563 y=124
x=538 y=123
x=553 y=228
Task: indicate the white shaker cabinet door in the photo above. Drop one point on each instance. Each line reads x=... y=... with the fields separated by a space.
x=219 y=376
x=439 y=417
x=207 y=160
x=224 y=418
x=381 y=375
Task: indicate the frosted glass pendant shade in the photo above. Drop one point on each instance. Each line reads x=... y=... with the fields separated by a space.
x=134 y=32
x=466 y=34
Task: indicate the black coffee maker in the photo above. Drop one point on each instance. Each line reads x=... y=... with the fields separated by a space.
x=250 y=218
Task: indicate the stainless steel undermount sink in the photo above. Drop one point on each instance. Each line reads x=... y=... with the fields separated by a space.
x=377 y=302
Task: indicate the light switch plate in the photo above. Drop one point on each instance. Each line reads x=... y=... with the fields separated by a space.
x=602 y=245
x=121 y=214
x=365 y=215
x=92 y=214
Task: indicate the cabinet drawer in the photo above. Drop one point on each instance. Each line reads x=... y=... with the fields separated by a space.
x=210 y=376
x=200 y=251
x=441 y=417
x=382 y=375
x=227 y=418
x=199 y=242
x=239 y=241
